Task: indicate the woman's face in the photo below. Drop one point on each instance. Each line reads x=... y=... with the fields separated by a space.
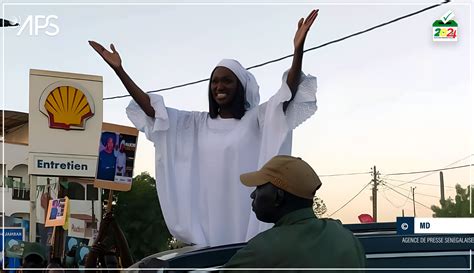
x=224 y=85
x=110 y=145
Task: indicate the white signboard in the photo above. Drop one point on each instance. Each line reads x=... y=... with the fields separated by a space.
x=65 y=123
x=77 y=228
x=42 y=164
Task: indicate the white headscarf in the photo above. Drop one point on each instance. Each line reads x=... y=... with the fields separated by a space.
x=252 y=97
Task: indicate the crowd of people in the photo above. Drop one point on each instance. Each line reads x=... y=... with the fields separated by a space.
x=109 y=252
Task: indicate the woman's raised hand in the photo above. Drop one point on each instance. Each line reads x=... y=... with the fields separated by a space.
x=303 y=28
x=112 y=58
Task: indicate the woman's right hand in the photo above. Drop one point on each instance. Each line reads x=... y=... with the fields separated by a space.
x=112 y=58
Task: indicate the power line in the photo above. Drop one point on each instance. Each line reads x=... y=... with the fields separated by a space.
x=346 y=174
x=423 y=194
x=343 y=174
x=431 y=173
x=427 y=195
x=386 y=198
x=307 y=50
x=411 y=181
x=162 y=89
x=354 y=34
x=428 y=171
x=408 y=197
x=405 y=182
x=417 y=183
x=462 y=159
x=350 y=200
x=457 y=161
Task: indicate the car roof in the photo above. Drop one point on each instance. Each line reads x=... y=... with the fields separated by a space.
x=380 y=240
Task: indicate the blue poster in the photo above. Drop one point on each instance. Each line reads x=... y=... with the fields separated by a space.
x=11 y=244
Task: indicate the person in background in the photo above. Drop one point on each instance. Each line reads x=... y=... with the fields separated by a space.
x=107 y=160
x=34 y=257
x=121 y=159
x=109 y=241
x=54 y=266
x=54 y=209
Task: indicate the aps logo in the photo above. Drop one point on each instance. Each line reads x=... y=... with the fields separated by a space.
x=33 y=24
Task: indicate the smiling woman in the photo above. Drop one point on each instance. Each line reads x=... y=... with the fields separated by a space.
x=226 y=94
x=200 y=155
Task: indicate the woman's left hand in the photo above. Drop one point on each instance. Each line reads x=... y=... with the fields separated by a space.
x=303 y=28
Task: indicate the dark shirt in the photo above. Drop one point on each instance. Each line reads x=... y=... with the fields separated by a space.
x=106 y=170
x=54 y=213
x=300 y=240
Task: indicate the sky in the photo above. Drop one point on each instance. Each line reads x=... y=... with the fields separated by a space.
x=391 y=98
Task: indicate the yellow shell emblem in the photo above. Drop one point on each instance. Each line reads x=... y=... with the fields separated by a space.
x=67 y=108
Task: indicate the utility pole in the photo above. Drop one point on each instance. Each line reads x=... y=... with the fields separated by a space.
x=413 y=194
x=374 y=194
x=58 y=233
x=33 y=183
x=93 y=215
x=441 y=183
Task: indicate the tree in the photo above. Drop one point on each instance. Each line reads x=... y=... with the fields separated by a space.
x=138 y=213
x=319 y=207
x=459 y=207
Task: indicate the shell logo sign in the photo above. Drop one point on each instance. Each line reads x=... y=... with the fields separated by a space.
x=65 y=123
x=67 y=106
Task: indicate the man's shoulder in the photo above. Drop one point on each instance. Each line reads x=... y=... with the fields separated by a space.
x=271 y=239
x=261 y=238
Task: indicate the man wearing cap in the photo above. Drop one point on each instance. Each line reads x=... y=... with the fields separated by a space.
x=285 y=187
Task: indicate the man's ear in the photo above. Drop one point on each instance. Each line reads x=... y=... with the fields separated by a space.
x=279 y=197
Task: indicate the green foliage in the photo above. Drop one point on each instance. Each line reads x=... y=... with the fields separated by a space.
x=139 y=215
x=459 y=207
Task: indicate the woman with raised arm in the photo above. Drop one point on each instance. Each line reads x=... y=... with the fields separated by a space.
x=200 y=155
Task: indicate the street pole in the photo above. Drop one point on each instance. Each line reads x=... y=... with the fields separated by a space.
x=58 y=233
x=33 y=183
x=441 y=183
x=374 y=195
x=413 y=194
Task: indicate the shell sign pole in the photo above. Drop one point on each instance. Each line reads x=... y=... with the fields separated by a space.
x=65 y=122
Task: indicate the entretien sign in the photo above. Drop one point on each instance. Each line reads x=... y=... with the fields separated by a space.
x=81 y=166
x=65 y=123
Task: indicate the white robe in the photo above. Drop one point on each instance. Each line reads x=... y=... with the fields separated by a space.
x=121 y=163
x=199 y=161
